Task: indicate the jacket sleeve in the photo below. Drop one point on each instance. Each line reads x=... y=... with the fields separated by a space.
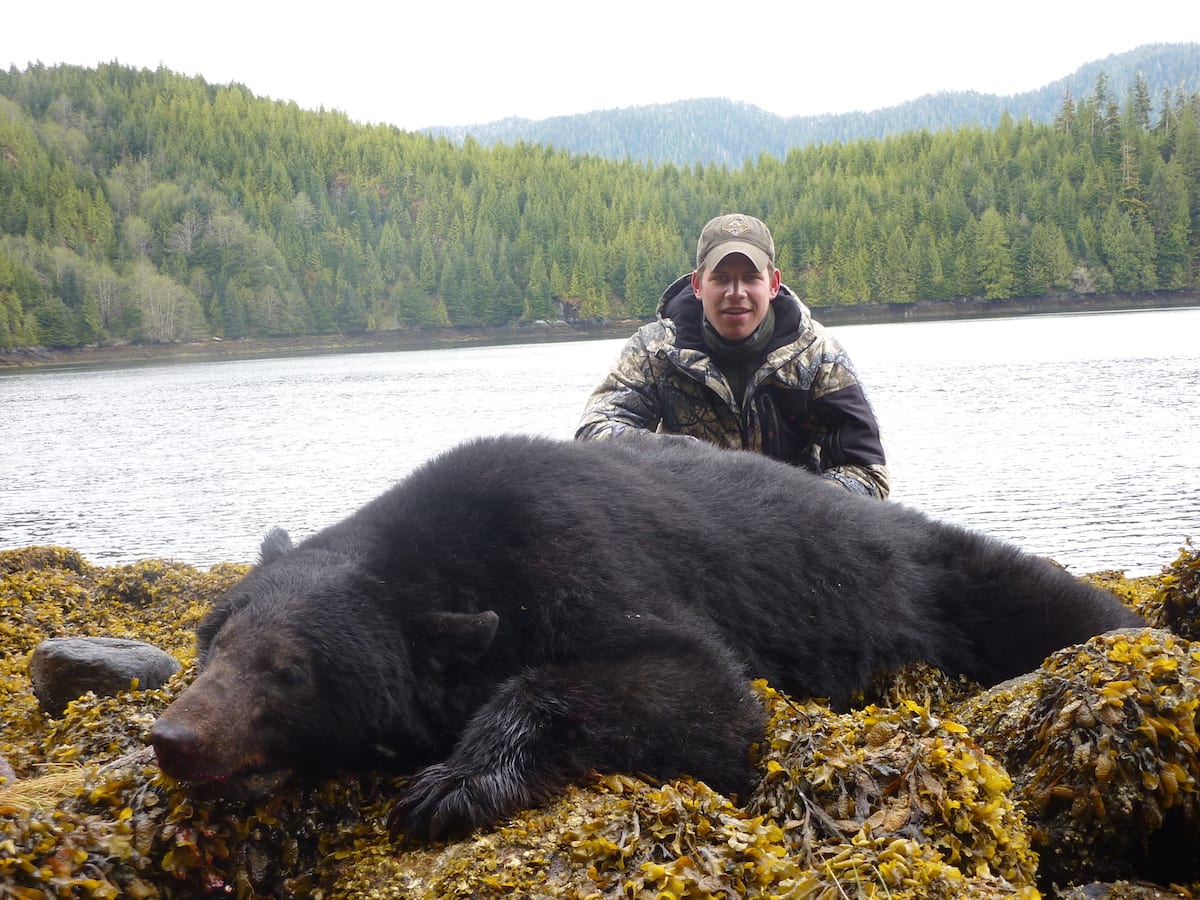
x=870 y=481
x=627 y=398
x=852 y=454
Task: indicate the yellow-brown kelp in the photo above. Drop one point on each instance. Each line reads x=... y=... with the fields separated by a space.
x=1103 y=747
x=893 y=800
x=1179 y=595
x=891 y=773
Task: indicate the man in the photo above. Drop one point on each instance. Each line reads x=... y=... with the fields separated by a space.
x=735 y=359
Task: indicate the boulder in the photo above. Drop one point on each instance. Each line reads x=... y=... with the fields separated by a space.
x=63 y=669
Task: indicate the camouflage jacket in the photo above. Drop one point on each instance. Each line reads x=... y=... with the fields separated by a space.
x=803 y=404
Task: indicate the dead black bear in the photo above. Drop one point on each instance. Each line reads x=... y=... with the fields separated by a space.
x=520 y=611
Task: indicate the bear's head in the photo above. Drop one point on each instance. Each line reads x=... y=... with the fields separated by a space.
x=311 y=664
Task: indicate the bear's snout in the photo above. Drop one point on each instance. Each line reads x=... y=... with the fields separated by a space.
x=179 y=749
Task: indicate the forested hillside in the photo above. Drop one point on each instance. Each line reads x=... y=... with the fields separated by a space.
x=726 y=132
x=143 y=205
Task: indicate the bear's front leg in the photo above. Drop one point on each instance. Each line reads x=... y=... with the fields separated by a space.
x=685 y=708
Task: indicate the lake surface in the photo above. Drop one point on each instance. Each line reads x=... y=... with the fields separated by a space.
x=1075 y=436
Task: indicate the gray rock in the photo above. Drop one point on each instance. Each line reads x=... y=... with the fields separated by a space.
x=65 y=668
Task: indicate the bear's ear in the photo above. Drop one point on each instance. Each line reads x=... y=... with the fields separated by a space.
x=459 y=638
x=276 y=544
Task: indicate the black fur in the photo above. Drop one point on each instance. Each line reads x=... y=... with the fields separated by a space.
x=519 y=612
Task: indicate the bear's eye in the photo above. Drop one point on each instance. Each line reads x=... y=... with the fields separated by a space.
x=288 y=672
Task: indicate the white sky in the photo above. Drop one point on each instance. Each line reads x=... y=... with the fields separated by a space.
x=432 y=62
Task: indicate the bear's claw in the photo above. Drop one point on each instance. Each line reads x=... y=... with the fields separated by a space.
x=443 y=803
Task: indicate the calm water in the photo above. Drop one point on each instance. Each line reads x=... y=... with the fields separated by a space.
x=1074 y=436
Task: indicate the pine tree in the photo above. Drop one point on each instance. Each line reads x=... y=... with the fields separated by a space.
x=538 y=302
x=994 y=266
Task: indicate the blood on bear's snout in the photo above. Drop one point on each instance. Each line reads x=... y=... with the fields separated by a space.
x=212 y=732
x=179 y=748
x=196 y=745
x=191 y=755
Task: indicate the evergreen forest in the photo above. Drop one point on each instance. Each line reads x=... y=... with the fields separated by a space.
x=140 y=205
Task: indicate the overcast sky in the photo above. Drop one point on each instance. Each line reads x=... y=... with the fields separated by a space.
x=432 y=62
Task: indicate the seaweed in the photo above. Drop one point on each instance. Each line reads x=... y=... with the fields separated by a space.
x=1103 y=744
x=1179 y=594
x=1085 y=770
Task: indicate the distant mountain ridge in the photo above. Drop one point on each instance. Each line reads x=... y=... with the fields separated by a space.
x=728 y=132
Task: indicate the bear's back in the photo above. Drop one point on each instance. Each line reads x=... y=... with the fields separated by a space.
x=561 y=537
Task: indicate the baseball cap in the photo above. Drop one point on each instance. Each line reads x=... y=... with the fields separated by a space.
x=735 y=233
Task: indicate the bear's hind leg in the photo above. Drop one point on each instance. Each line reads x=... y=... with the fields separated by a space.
x=680 y=707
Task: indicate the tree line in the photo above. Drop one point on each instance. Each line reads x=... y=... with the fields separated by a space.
x=144 y=205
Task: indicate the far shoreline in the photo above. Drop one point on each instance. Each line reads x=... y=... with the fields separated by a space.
x=212 y=349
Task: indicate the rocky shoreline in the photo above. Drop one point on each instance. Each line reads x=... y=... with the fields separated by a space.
x=563 y=330
x=1080 y=780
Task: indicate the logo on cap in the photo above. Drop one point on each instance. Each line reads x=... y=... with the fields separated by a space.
x=736 y=226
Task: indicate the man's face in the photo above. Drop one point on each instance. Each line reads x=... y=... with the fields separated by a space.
x=735 y=295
